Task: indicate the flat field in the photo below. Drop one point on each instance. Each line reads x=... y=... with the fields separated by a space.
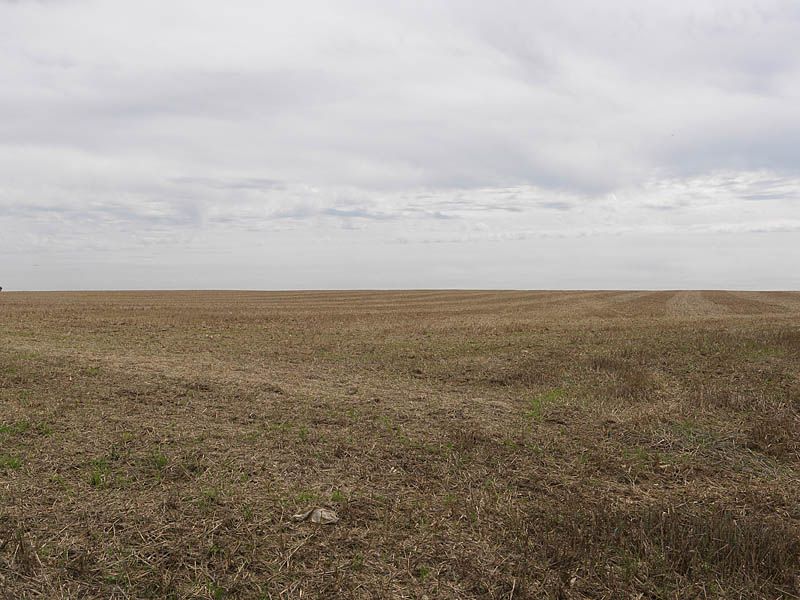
x=473 y=444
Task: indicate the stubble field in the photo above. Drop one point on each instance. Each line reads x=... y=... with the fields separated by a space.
x=473 y=444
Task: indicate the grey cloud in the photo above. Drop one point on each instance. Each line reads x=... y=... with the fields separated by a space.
x=183 y=126
x=296 y=212
x=557 y=205
x=232 y=183
x=765 y=196
x=355 y=213
x=109 y=212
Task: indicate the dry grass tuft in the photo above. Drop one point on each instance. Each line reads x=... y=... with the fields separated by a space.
x=777 y=434
x=622 y=378
x=789 y=339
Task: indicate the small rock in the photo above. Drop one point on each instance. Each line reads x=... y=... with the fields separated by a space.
x=323 y=516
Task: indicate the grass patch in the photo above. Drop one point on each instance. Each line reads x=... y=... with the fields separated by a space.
x=209 y=498
x=22 y=427
x=540 y=402
x=100 y=474
x=158 y=461
x=8 y=461
x=15 y=428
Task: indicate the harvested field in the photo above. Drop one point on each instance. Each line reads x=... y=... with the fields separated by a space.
x=473 y=444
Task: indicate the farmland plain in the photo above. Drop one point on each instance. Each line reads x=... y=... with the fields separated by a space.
x=473 y=444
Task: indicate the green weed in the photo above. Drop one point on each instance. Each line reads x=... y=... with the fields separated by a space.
x=10 y=462
x=540 y=402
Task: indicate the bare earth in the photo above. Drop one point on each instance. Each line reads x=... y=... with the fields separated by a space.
x=473 y=444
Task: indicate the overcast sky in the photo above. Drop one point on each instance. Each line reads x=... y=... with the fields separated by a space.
x=268 y=145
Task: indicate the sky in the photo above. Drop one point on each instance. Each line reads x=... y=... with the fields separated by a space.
x=624 y=144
